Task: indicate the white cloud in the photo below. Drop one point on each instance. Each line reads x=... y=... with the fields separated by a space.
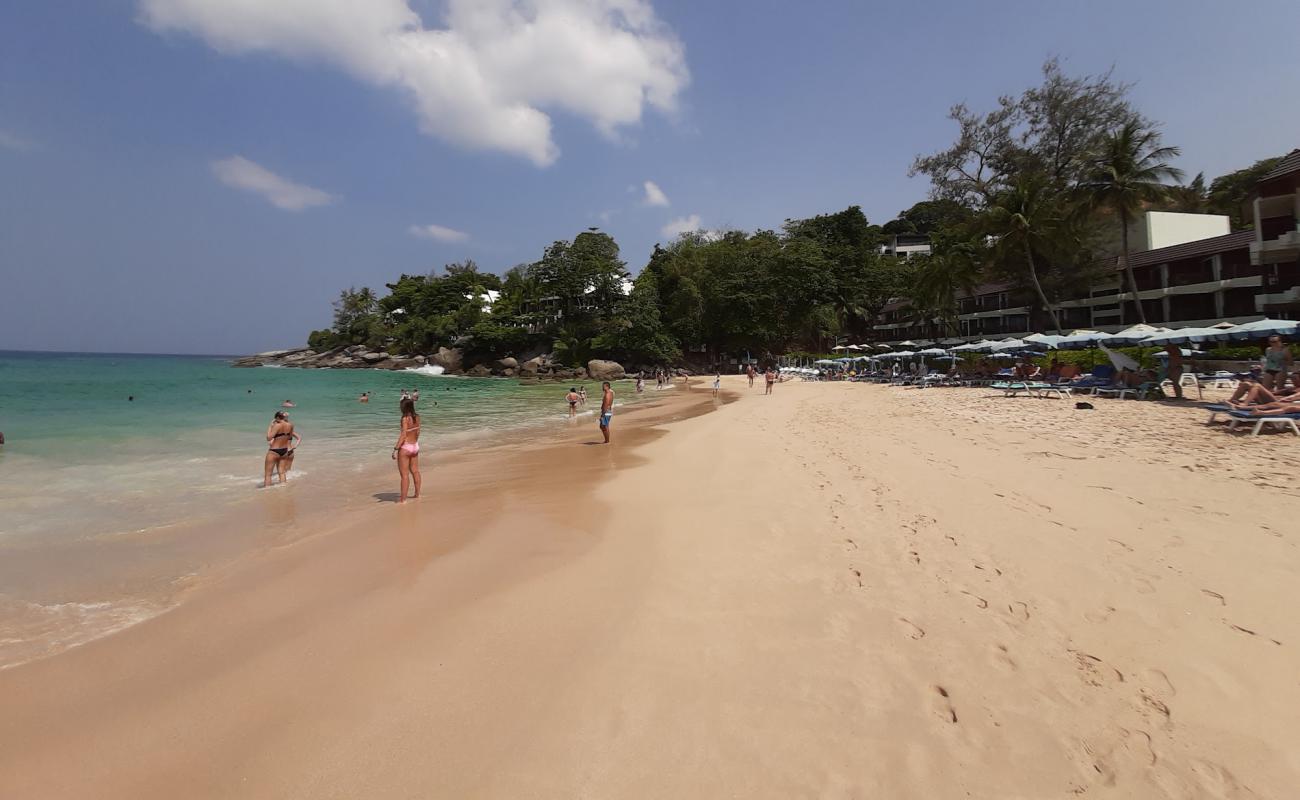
x=483 y=79
x=654 y=196
x=677 y=227
x=240 y=173
x=438 y=233
x=12 y=141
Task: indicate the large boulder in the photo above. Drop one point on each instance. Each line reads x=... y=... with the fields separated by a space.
x=451 y=359
x=503 y=364
x=374 y=358
x=478 y=371
x=531 y=367
x=604 y=370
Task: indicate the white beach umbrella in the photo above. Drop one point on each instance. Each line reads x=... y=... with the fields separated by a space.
x=902 y=354
x=1009 y=344
x=1183 y=336
x=1082 y=340
x=1261 y=329
x=1134 y=334
x=1120 y=360
x=908 y=343
x=884 y=347
x=1047 y=340
x=837 y=348
x=853 y=347
x=932 y=351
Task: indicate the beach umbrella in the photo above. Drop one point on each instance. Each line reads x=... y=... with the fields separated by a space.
x=1001 y=355
x=1120 y=360
x=932 y=351
x=1183 y=336
x=837 y=348
x=908 y=343
x=853 y=347
x=902 y=354
x=1260 y=329
x=1082 y=340
x=1134 y=335
x=883 y=347
x=1007 y=345
x=1046 y=340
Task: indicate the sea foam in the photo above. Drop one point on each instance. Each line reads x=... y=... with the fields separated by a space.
x=427 y=369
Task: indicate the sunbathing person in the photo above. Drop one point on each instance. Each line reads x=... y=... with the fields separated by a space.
x=1271 y=409
x=1255 y=394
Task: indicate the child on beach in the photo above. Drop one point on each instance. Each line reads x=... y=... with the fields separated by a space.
x=717 y=383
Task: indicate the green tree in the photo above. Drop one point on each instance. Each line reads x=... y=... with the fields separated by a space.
x=1127 y=174
x=1228 y=193
x=1029 y=215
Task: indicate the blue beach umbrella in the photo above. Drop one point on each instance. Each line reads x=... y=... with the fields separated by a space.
x=1260 y=329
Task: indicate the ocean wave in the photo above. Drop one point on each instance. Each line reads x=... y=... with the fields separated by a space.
x=427 y=369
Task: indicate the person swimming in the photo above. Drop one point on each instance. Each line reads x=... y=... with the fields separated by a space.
x=287 y=404
x=364 y=398
x=407 y=450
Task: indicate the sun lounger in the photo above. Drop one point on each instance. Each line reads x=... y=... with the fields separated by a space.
x=1236 y=418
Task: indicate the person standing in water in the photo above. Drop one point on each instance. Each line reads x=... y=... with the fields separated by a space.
x=582 y=395
x=606 y=409
x=281 y=440
x=407 y=450
x=640 y=384
x=573 y=399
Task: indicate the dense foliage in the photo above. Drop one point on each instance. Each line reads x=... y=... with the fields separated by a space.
x=1034 y=193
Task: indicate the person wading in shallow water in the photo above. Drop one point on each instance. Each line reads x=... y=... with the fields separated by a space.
x=606 y=409
x=281 y=440
x=407 y=450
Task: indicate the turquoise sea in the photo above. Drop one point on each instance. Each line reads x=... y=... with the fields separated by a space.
x=82 y=458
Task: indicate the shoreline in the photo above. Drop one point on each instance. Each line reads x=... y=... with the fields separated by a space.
x=90 y=587
x=839 y=590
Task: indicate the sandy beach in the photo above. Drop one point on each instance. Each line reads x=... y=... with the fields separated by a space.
x=840 y=591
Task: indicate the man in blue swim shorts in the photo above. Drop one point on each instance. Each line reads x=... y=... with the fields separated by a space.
x=606 y=409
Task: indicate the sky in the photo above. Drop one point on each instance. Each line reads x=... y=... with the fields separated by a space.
x=204 y=176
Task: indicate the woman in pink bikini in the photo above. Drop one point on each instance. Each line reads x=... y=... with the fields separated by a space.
x=407 y=449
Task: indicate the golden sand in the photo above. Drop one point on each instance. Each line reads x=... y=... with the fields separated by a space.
x=837 y=591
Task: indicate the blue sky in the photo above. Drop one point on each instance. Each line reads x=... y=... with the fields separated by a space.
x=118 y=233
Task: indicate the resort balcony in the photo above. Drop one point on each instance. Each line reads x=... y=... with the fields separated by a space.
x=1207 y=287
x=1285 y=248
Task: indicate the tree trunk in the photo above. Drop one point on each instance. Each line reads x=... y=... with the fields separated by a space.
x=1038 y=287
x=1128 y=270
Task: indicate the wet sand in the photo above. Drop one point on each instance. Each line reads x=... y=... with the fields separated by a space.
x=837 y=591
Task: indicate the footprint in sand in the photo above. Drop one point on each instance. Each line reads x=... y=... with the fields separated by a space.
x=1250 y=632
x=1095 y=672
x=1215 y=595
x=1019 y=610
x=1100 y=615
x=1001 y=657
x=943 y=705
x=913 y=630
x=979 y=601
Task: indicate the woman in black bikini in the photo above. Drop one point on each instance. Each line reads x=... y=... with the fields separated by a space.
x=281 y=441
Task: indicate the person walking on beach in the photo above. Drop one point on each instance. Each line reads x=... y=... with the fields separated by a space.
x=749 y=373
x=1174 y=369
x=407 y=450
x=770 y=377
x=717 y=383
x=606 y=409
x=281 y=440
x=573 y=399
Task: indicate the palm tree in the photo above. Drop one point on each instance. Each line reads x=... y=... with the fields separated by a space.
x=943 y=276
x=1026 y=217
x=1126 y=174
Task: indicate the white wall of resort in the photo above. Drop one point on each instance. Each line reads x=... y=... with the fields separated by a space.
x=1167 y=228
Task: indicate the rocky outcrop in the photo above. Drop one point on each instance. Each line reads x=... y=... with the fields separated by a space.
x=451 y=359
x=604 y=370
